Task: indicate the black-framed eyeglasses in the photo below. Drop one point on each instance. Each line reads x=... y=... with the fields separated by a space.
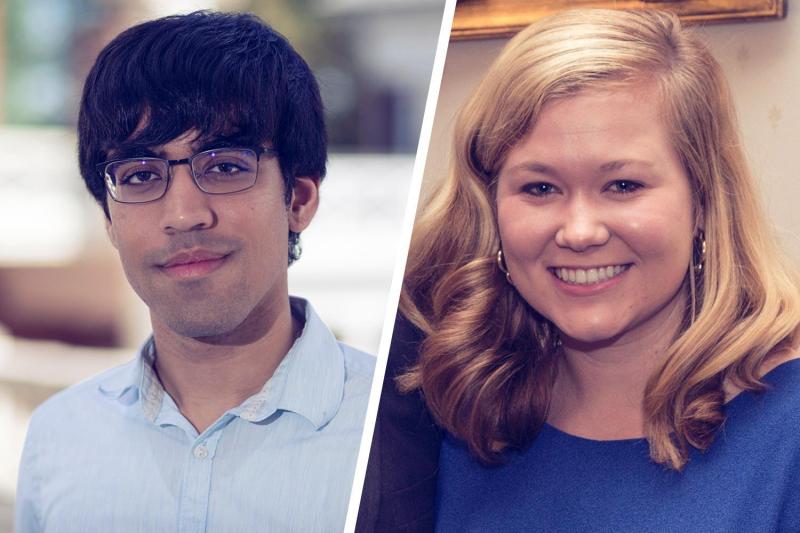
x=138 y=180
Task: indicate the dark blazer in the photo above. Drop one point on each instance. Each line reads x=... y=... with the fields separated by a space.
x=400 y=486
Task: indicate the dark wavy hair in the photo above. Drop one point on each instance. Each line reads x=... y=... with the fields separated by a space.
x=226 y=75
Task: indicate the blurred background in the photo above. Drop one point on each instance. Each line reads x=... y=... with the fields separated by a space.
x=66 y=311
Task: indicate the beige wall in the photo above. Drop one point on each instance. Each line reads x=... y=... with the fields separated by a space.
x=762 y=62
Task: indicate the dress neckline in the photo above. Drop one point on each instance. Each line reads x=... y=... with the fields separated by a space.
x=770 y=378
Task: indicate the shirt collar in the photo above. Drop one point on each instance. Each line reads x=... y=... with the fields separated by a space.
x=309 y=380
x=123 y=382
x=137 y=380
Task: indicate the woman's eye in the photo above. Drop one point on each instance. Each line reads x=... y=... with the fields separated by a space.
x=539 y=189
x=624 y=186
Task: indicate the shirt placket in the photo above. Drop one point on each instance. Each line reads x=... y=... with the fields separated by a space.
x=196 y=485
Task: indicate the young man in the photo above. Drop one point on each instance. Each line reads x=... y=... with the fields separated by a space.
x=202 y=138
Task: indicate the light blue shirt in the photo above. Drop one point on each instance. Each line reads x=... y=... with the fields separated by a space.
x=114 y=453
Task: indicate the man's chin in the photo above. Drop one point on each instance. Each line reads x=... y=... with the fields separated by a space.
x=202 y=331
x=202 y=328
x=230 y=316
x=223 y=327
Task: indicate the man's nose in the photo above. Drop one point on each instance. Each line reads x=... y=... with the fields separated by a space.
x=184 y=206
x=584 y=226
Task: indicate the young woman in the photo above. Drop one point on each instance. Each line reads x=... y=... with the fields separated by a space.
x=610 y=332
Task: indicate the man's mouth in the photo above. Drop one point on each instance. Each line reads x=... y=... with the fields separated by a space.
x=192 y=256
x=194 y=263
x=588 y=276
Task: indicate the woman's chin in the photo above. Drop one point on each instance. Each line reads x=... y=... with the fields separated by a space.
x=587 y=337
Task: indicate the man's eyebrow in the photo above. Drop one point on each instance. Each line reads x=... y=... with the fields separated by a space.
x=126 y=151
x=133 y=150
x=233 y=141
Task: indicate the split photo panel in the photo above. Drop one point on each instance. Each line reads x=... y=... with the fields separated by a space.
x=383 y=266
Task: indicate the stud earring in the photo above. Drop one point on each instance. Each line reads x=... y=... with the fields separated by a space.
x=295 y=247
x=501 y=264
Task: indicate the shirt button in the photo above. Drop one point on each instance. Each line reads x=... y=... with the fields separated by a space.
x=200 y=451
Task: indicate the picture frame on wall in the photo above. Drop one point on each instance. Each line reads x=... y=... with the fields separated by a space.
x=480 y=19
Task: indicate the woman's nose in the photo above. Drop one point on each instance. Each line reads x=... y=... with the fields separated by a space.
x=584 y=226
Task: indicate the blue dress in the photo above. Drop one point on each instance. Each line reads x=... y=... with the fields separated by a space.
x=748 y=481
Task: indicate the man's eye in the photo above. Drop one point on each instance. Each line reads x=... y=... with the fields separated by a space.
x=540 y=189
x=140 y=178
x=225 y=168
x=624 y=186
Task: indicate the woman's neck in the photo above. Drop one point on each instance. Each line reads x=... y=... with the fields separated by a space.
x=599 y=389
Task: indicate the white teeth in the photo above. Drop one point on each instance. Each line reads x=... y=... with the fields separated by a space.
x=580 y=276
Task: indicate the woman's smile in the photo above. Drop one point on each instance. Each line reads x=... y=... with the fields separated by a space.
x=588 y=281
x=589 y=275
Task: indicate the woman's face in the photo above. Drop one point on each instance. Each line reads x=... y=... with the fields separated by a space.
x=595 y=216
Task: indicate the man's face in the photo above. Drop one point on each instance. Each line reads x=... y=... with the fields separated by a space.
x=211 y=265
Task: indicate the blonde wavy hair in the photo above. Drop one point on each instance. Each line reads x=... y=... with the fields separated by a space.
x=488 y=361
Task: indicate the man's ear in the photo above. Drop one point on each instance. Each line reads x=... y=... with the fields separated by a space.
x=304 y=203
x=112 y=235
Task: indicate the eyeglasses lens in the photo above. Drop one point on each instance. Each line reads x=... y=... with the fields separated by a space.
x=224 y=171
x=137 y=180
x=215 y=171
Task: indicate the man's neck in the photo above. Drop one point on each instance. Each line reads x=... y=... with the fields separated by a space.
x=206 y=377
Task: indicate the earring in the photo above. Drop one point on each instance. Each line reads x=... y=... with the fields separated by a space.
x=295 y=247
x=501 y=264
x=699 y=251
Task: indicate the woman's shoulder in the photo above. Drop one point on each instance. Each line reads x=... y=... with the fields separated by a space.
x=775 y=411
x=779 y=358
x=781 y=364
x=780 y=372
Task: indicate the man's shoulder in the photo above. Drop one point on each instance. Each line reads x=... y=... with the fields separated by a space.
x=359 y=368
x=358 y=364
x=82 y=399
